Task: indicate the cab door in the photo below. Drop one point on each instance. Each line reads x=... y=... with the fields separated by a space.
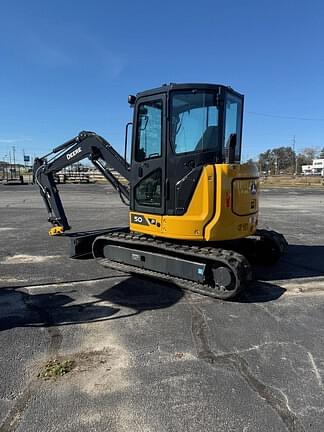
x=148 y=155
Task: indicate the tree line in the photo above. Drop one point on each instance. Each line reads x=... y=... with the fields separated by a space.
x=284 y=160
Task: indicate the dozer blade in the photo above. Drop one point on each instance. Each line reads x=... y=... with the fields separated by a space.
x=56 y=230
x=81 y=242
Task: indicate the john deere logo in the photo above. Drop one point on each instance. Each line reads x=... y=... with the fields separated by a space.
x=74 y=153
x=253 y=188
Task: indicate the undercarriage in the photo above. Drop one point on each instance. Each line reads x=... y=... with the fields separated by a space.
x=215 y=270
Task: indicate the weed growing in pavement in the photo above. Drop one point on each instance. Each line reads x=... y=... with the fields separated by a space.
x=55 y=368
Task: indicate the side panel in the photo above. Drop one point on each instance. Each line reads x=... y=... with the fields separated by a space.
x=237 y=199
x=224 y=206
x=189 y=226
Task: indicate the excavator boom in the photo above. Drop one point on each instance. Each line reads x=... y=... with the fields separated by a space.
x=85 y=145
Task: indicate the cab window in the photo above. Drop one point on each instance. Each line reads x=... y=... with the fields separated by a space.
x=149 y=131
x=233 y=125
x=194 y=123
x=148 y=191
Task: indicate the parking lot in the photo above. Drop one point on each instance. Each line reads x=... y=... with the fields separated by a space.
x=148 y=356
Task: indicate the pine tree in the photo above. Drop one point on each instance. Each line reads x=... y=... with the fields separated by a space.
x=321 y=155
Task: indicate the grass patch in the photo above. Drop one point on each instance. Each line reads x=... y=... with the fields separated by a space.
x=55 y=368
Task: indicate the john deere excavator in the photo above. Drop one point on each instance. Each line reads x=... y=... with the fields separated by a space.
x=193 y=205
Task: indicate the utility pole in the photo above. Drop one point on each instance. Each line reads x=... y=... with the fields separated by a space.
x=10 y=166
x=276 y=165
x=295 y=155
x=5 y=167
x=14 y=158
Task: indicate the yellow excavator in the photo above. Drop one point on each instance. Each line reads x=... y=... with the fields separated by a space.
x=193 y=206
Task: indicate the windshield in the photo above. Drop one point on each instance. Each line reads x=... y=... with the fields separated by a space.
x=194 y=124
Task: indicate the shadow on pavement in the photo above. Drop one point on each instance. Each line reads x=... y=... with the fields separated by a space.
x=299 y=261
x=20 y=309
x=143 y=294
x=260 y=292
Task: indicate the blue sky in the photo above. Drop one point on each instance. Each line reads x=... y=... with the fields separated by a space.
x=70 y=65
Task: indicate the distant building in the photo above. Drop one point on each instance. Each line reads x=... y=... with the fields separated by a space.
x=307 y=169
x=317 y=168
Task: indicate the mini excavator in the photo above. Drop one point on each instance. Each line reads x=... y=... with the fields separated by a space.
x=192 y=203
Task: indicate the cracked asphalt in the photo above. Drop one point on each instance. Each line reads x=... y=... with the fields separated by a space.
x=150 y=357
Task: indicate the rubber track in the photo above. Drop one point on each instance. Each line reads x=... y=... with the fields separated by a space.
x=276 y=246
x=236 y=262
x=273 y=236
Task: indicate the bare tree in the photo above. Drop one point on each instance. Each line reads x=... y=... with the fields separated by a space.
x=310 y=153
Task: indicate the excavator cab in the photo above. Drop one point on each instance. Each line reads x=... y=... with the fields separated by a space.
x=177 y=130
x=183 y=134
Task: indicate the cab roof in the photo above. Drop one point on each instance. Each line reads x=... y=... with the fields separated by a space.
x=165 y=88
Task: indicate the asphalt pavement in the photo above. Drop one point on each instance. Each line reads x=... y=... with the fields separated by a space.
x=148 y=356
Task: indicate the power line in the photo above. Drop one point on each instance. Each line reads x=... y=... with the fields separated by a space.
x=284 y=117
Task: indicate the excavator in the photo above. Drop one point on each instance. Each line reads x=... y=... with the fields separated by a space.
x=193 y=206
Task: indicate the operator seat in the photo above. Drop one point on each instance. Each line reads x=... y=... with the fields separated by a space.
x=209 y=140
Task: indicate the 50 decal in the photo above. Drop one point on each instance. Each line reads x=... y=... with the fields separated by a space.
x=138 y=219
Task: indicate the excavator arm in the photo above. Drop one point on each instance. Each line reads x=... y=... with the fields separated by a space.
x=85 y=145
